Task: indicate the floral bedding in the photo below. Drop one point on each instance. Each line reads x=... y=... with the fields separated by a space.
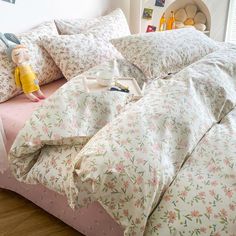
x=202 y=199
x=104 y=147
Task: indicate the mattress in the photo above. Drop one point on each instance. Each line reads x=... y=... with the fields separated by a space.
x=92 y=220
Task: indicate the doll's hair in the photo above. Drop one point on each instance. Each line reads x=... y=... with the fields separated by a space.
x=18 y=46
x=12 y=48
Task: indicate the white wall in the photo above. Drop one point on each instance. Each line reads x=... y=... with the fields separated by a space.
x=132 y=10
x=219 y=15
x=25 y=13
x=218 y=10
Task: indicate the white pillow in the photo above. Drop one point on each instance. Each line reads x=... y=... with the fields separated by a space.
x=74 y=26
x=40 y=60
x=160 y=53
x=110 y=26
x=75 y=54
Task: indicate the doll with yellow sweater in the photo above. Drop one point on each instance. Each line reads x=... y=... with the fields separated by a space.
x=25 y=77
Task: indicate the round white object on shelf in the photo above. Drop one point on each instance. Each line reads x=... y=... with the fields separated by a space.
x=179 y=25
x=189 y=26
x=200 y=27
x=191 y=10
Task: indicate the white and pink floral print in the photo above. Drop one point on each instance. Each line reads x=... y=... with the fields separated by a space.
x=75 y=54
x=202 y=199
x=129 y=164
x=160 y=53
x=113 y=25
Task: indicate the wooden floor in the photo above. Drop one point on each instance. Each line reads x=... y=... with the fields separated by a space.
x=20 y=217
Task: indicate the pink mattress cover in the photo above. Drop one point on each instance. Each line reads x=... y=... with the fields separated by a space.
x=92 y=220
x=17 y=110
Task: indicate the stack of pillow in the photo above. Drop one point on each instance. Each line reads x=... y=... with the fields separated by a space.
x=85 y=43
x=82 y=44
x=41 y=61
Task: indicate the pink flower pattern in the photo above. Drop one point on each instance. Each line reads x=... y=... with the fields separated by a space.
x=160 y=53
x=183 y=112
x=206 y=209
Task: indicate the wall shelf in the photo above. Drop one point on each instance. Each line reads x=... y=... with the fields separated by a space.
x=174 y=5
x=177 y=4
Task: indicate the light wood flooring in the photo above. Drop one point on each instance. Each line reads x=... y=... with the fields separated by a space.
x=20 y=217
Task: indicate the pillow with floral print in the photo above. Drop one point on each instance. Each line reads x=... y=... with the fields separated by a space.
x=77 y=53
x=74 y=26
x=40 y=60
x=160 y=53
x=113 y=25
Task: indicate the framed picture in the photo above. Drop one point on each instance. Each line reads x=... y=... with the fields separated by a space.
x=160 y=3
x=151 y=28
x=147 y=13
x=10 y=1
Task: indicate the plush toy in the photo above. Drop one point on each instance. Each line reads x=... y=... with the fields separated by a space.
x=25 y=77
x=190 y=17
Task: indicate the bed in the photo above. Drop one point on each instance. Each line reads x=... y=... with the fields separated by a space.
x=107 y=164
x=88 y=221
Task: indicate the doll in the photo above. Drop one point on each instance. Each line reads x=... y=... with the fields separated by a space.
x=25 y=78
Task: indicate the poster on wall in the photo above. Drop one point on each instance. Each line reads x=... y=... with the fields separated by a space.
x=160 y=3
x=151 y=28
x=147 y=13
x=10 y=1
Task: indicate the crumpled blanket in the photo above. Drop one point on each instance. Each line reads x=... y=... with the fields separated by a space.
x=129 y=164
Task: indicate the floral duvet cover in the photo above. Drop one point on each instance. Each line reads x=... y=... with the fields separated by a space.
x=142 y=148
x=202 y=198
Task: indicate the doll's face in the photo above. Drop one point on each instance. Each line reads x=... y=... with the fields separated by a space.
x=20 y=55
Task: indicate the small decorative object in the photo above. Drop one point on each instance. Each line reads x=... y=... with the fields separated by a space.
x=25 y=78
x=160 y=3
x=162 y=26
x=147 y=13
x=171 y=22
x=10 y=1
x=151 y=28
x=190 y=17
x=121 y=86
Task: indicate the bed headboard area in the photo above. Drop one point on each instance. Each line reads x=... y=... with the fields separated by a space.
x=25 y=14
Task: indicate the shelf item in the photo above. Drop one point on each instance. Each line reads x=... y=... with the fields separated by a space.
x=162 y=25
x=190 y=15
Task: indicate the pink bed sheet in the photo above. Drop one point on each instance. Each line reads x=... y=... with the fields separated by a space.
x=92 y=220
x=17 y=110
